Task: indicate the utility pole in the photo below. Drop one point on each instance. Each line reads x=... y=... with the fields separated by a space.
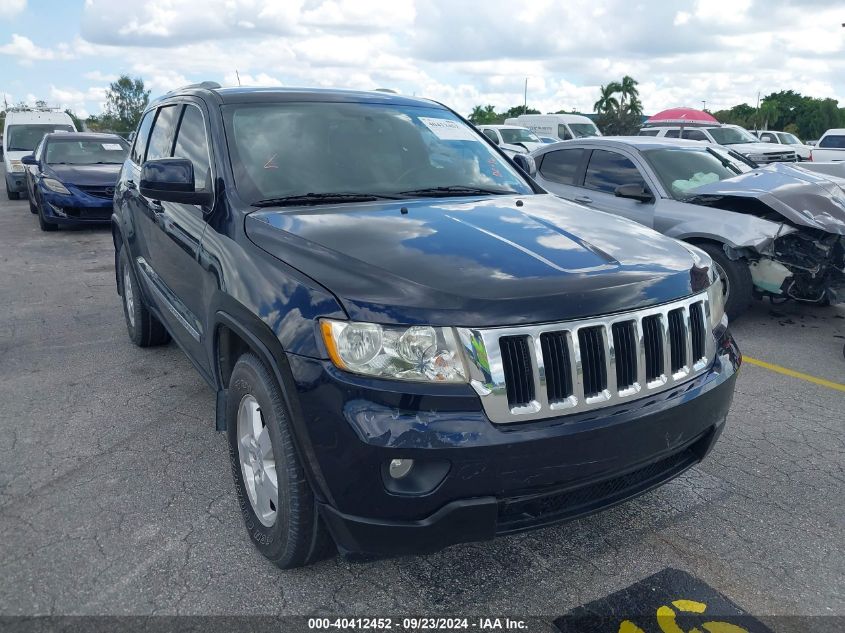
x=525 y=101
x=238 y=76
x=703 y=105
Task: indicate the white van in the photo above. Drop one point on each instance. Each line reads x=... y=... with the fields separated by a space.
x=561 y=126
x=831 y=146
x=22 y=133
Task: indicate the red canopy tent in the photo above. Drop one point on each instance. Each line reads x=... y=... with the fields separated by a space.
x=682 y=117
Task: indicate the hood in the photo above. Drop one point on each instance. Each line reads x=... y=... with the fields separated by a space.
x=85 y=175
x=760 y=148
x=802 y=197
x=477 y=262
x=15 y=155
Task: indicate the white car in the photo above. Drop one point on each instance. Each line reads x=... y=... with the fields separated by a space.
x=560 y=126
x=22 y=133
x=735 y=137
x=831 y=146
x=785 y=138
x=512 y=139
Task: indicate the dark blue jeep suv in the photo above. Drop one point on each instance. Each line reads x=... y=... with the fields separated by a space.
x=411 y=343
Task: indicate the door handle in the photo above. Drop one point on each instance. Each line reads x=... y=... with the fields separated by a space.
x=130 y=184
x=584 y=200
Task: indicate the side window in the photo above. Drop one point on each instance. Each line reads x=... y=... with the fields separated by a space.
x=192 y=143
x=491 y=134
x=140 y=145
x=648 y=132
x=608 y=170
x=561 y=165
x=833 y=141
x=563 y=132
x=672 y=133
x=38 y=150
x=768 y=138
x=161 y=139
x=694 y=135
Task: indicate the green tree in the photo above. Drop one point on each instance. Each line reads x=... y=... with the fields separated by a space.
x=607 y=101
x=483 y=115
x=517 y=110
x=125 y=103
x=628 y=92
x=619 y=123
x=76 y=121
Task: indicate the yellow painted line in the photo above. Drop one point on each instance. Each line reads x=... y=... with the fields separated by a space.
x=794 y=374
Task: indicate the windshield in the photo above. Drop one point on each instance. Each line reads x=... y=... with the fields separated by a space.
x=89 y=152
x=25 y=138
x=294 y=149
x=732 y=135
x=518 y=135
x=582 y=130
x=789 y=139
x=683 y=169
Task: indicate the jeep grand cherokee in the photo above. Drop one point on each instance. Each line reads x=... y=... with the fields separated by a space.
x=411 y=343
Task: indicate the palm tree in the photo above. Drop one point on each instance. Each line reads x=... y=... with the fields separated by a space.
x=483 y=114
x=628 y=90
x=607 y=102
x=634 y=106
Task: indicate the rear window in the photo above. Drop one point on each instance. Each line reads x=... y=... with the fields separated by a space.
x=833 y=141
x=562 y=165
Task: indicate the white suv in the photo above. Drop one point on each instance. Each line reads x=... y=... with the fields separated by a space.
x=831 y=146
x=785 y=138
x=737 y=138
x=512 y=139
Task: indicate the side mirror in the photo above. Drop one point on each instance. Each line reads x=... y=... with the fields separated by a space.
x=526 y=163
x=634 y=192
x=171 y=180
x=29 y=159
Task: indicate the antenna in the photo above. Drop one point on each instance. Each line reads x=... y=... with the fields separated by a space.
x=238 y=76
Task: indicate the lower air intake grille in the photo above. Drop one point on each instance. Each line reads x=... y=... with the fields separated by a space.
x=519 y=376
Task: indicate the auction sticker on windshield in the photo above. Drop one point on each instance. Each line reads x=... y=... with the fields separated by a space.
x=448 y=130
x=112 y=146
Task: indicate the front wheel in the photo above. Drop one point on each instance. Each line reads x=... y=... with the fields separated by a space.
x=735 y=276
x=275 y=498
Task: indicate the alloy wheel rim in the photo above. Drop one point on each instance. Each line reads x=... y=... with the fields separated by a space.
x=128 y=297
x=258 y=464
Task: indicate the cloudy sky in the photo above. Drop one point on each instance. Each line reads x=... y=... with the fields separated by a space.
x=460 y=52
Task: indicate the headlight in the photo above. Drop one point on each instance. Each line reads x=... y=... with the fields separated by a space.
x=419 y=352
x=15 y=165
x=54 y=185
x=716 y=299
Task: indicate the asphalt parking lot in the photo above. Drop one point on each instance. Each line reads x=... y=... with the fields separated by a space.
x=116 y=495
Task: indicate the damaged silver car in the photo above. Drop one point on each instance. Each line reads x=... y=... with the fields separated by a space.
x=775 y=231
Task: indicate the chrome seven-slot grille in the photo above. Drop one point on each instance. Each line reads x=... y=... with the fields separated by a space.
x=539 y=371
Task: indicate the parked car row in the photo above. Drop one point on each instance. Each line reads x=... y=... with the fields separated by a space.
x=412 y=342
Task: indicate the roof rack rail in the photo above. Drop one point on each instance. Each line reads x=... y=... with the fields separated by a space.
x=208 y=85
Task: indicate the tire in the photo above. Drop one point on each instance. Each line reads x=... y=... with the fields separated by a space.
x=144 y=329
x=43 y=223
x=737 y=279
x=33 y=207
x=286 y=530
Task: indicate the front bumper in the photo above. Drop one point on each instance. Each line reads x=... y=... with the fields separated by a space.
x=500 y=478
x=76 y=208
x=16 y=181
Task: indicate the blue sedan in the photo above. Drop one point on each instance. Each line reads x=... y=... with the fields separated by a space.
x=70 y=178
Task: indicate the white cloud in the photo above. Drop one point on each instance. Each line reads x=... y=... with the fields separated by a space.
x=11 y=8
x=721 y=51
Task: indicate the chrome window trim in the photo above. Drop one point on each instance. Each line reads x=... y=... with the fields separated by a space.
x=487 y=378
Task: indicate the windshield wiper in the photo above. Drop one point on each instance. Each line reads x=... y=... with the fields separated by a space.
x=321 y=198
x=455 y=190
